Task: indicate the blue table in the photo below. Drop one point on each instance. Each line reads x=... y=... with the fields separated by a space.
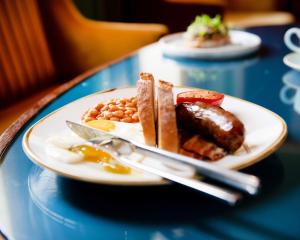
x=37 y=204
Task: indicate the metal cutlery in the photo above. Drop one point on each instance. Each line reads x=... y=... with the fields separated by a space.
x=121 y=148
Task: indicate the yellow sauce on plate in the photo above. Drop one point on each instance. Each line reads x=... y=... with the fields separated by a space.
x=101 y=124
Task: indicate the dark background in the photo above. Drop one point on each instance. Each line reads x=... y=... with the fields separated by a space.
x=176 y=13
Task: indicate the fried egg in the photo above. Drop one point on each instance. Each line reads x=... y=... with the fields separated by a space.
x=58 y=147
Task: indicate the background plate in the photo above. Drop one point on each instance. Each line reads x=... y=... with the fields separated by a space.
x=242 y=43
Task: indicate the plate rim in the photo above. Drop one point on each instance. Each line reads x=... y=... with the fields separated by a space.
x=35 y=159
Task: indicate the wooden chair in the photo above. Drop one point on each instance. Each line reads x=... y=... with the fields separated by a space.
x=45 y=42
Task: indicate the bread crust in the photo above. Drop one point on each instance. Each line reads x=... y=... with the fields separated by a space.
x=146 y=108
x=167 y=125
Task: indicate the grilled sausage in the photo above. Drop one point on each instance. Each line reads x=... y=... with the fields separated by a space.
x=225 y=129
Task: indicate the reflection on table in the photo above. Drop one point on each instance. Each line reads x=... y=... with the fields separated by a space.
x=290 y=92
x=224 y=76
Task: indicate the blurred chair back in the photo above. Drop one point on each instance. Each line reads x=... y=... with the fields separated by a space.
x=249 y=13
x=45 y=42
x=25 y=60
x=85 y=43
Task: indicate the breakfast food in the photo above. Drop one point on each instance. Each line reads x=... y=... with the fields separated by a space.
x=206 y=32
x=213 y=122
x=167 y=126
x=72 y=149
x=123 y=110
x=93 y=154
x=201 y=148
x=206 y=96
x=146 y=108
x=196 y=126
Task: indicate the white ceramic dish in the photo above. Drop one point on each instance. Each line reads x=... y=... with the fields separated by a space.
x=292 y=60
x=242 y=43
x=265 y=131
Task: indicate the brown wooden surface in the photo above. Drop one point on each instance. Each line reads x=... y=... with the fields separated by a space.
x=11 y=132
x=25 y=59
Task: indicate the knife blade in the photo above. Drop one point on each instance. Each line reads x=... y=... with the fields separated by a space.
x=242 y=181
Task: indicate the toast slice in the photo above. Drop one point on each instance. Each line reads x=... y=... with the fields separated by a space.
x=146 y=108
x=167 y=126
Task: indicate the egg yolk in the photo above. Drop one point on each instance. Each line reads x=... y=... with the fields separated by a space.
x=101 y=124
x=93 y=154
x=117 y=168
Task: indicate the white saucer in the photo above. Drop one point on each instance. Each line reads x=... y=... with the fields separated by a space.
x=242 y=43
x=292 y=60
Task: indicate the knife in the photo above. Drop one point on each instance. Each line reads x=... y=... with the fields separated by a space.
x=119 y=149
x=242 y=181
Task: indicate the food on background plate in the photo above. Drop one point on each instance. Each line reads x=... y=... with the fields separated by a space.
x=166 y=118
x=201 y=95
x=123 y=110
x=146 y=107
x=207 y=32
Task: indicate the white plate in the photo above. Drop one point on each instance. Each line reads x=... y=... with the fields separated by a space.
x=265 y=131
x=292 y=60
x=242 y=43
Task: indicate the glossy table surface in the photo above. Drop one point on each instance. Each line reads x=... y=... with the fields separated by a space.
x=37 y=204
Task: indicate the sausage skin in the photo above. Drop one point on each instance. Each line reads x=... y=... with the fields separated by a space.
x=223 y=127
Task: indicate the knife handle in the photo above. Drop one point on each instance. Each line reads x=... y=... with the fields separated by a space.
x=242 y=181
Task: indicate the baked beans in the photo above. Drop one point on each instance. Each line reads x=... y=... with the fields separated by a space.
x=123 y=110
